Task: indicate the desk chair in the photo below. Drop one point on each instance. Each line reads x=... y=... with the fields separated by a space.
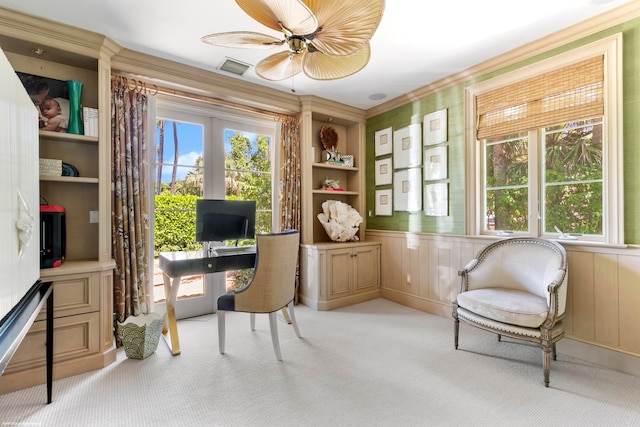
x=271 y=288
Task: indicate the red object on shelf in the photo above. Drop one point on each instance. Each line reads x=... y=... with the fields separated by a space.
x=333 y=189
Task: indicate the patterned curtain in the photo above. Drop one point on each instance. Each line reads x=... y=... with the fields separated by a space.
x=290 y=203
x=130 y=211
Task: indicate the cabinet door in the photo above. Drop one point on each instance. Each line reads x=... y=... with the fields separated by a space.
x=365 y=268
x=339 y=273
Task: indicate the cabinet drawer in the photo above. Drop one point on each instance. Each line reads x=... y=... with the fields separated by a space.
x=73 y=336
x=74 y=294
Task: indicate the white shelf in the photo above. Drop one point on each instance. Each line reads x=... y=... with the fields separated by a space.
x=70 y=137
x=69 y=179
x=338 y=167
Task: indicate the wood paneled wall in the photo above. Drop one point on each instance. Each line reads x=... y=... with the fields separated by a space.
x=421 y=271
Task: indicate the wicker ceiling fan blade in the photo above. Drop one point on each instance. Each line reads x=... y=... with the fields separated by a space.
x=279 y=66
x=319 y=66
x=293 y=14
x=243 y=39
x=346 y=25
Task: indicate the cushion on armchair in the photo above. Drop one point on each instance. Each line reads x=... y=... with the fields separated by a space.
x=506 y=305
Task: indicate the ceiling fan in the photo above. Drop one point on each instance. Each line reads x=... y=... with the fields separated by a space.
x=325 y=39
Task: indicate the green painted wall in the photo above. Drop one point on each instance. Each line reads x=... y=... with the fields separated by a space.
x=453 y=100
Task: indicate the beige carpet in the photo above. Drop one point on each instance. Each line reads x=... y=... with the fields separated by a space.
x=372 y=364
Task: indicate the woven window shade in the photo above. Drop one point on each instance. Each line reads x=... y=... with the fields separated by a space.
x=569 y=93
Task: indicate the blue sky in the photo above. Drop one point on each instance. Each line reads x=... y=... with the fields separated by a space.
x=190 y=140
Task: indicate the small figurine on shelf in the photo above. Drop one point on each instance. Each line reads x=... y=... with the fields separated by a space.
x=329 y=140
x=331 y=185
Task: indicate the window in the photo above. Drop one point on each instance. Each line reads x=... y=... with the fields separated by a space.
x=544 y=156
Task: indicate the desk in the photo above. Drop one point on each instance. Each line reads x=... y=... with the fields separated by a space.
x=175 y=265
x=15 y=325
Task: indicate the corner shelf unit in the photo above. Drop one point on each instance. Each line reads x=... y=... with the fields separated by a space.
x=349 y=124
x=334 y=274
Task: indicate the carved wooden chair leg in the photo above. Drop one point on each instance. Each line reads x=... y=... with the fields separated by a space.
x=456 y=330
x=554 y=354
x=546 y=363
x=456 y=324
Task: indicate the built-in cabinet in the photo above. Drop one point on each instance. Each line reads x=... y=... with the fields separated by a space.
x=83 y=284
x=334 y=274
x=339 y=274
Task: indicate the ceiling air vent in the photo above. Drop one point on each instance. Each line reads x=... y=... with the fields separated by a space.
x=233 y=66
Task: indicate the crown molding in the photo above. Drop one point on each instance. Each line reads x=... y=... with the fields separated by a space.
x=185 y=78
x=591 y=26
x=18 y=28
x=331 y=111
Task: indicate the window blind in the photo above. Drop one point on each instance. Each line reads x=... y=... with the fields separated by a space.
x=569 y=93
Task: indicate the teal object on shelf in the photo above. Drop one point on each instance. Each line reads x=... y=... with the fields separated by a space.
x=75 y=96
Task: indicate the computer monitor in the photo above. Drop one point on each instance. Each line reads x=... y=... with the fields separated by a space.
x=220 y=220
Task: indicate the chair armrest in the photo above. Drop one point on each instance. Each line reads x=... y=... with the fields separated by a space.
x=468 y=267
x=464 y=274
x=558 y=279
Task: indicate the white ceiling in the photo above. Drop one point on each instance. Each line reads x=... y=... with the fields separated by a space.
x=417 y=42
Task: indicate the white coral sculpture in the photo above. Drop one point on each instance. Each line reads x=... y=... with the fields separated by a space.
x=340 y=221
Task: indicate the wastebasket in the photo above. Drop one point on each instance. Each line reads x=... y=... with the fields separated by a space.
x=140 y=334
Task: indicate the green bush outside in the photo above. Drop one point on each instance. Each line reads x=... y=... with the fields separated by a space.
x=175 y=223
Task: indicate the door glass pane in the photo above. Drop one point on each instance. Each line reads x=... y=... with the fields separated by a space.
x=178 y=184
x=248 y=176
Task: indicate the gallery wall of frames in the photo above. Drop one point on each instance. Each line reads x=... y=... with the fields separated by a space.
x=415 y=179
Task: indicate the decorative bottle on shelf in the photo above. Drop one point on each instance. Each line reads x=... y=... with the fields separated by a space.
x=75 y=94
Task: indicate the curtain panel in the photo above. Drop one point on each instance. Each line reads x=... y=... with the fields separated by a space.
x=289 y=195
x=130 y=210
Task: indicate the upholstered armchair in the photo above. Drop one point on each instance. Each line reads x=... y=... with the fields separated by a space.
x=517 y=288
x=271 y=288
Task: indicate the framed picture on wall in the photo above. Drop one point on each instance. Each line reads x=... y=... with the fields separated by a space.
x=407 y=147
x=384 y=202
x=407 y=194
x=435 y=127
x=384 y=142
x=384 y=172
x=51 y=97
x=436 y=199
x=435 y=163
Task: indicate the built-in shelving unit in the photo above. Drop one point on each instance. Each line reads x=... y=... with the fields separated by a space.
x=334 y=274
x=83 y=284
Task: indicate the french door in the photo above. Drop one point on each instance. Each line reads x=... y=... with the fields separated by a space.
x=204 y=152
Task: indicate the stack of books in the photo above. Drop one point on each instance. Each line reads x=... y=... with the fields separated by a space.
x=90 y=121
x=50 y=167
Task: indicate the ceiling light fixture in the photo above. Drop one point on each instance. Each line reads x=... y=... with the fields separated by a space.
x=324 y=39
x=377 y=96
x=39 y=51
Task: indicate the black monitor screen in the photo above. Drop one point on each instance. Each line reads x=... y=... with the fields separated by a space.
x=221 y=220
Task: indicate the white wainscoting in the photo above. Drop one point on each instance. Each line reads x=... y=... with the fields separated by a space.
x=602 y=322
